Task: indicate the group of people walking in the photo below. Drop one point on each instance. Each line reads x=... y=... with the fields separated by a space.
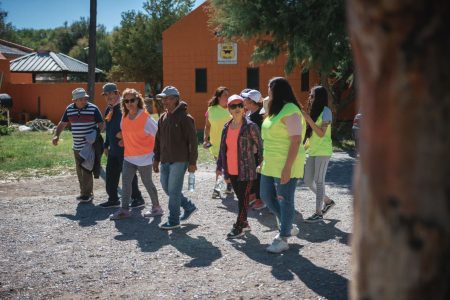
x=259 y=145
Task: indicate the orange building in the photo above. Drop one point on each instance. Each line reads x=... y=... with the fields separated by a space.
x=196 y=62
x=47 y=99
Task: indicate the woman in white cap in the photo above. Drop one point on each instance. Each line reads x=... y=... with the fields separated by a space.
x=237 y=160
x=253 y=105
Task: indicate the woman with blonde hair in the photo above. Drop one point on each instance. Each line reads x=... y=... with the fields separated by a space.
x=138 y=133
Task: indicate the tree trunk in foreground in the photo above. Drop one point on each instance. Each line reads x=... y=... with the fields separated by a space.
x=401 y=246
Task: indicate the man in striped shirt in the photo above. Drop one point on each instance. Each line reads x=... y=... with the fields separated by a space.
x=84 y=117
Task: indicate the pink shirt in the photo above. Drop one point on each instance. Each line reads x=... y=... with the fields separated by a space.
x=232 y=150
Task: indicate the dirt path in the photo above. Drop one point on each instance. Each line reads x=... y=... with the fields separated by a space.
x=53 y=248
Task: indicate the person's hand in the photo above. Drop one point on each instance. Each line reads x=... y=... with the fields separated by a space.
x=156 y=166
x=119 y=135
x=55 y=140
x=258 y=169
x=106 y=151
x=285 y=175
x=206 y=145
x=192 y=168
x=219 y=173
x=121 y=143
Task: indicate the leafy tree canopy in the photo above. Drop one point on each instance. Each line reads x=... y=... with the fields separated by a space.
x=311 y=32
x=137 y=43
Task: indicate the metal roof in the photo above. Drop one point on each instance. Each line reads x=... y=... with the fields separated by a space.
x=12 y=50
x=49 y=62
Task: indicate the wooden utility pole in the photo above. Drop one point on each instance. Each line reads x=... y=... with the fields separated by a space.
x=401 y=240
x=92 y=49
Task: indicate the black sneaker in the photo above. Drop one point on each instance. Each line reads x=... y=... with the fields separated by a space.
x=314 y=218
x=137 y=203
x=215 y=194
x=86 y=199
x=187 y=214
x=327 y=207
x=229 y=189
x=109 y=204
x=168 y=226
x=235 y=232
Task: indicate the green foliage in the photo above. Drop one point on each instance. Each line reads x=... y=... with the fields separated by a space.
x=5 y=130
x=311 y=32
x=137 y=44
x=6 y=28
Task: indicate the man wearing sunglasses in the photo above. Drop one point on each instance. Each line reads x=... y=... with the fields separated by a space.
x=176 y=150
x=114 y=152
x=84 y=117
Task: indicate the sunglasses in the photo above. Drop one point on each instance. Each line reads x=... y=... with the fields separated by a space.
x=234 y=106
x=126 y=101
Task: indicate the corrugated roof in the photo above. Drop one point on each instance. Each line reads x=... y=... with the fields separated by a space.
x=49 y=62
x=7 y=50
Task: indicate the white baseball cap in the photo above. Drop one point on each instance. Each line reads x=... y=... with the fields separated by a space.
x=253 y=95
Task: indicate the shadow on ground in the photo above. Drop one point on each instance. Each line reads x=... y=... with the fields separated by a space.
x=285 y=266
x=151 y=238
x=87 y=214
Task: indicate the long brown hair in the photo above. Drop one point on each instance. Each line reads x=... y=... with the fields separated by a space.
x=136 y=95
x=215 y=99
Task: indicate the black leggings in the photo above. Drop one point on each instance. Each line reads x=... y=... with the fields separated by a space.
x=242 y=189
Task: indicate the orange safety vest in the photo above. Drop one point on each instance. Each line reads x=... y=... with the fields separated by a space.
x=136 y=141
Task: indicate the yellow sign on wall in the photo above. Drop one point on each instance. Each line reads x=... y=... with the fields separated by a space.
x=227 y=53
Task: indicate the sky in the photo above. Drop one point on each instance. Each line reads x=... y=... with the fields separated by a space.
x=45 y=14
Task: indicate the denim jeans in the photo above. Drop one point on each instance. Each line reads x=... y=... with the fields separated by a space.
x=172 y=177
x=279 y=198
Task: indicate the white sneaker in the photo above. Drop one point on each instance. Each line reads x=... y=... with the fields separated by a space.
x=278 y=245
x=294 y=230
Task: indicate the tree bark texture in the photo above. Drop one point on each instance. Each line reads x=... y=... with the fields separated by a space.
x=92 y=49
x=401 y=247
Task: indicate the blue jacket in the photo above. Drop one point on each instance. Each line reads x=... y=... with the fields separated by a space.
x=112 y=128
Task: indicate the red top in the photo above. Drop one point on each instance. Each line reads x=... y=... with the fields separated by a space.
x=232 y=150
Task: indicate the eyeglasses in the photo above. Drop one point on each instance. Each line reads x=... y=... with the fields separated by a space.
x=126 y=101
x=234 y=106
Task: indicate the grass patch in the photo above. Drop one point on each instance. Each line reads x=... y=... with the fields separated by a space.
x=343 y=145
x=32 y=154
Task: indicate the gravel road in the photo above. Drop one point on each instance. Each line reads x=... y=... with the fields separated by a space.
x=54 y=248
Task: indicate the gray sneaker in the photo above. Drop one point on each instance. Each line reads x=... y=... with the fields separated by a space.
x=314 y=218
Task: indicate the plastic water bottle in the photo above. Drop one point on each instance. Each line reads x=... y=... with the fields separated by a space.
x=191 y=182
x=219 y=186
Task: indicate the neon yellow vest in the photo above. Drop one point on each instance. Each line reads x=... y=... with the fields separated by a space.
x=217 y=116
x=276 y=144
x=320 y=146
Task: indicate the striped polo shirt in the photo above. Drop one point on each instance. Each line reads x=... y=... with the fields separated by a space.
x=82 y=122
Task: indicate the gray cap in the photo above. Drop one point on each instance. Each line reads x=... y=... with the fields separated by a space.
x=79 y=93
x=109 y=87
x=168 y=91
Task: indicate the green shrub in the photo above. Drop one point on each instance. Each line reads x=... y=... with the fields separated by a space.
x=5 y=130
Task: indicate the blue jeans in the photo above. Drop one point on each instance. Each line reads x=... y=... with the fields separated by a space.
x=279 y=198
x=172 y=177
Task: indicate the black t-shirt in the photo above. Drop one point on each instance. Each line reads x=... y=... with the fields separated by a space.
x=257 y=118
